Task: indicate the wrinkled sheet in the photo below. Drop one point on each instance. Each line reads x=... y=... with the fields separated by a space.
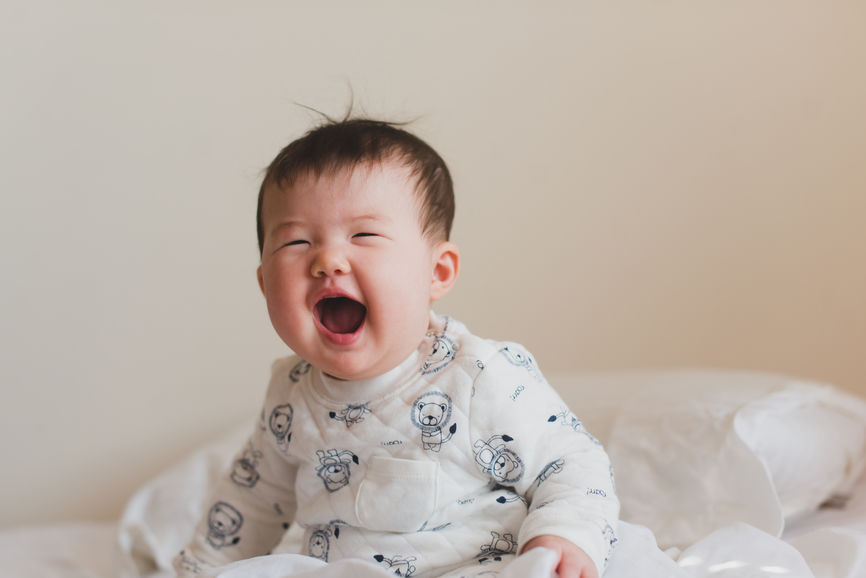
x=789 y=542
x=828 y=543
x=736 y=551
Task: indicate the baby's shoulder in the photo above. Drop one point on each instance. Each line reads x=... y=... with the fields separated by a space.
x=450 y=342
x=287 y=372
x=513 y=358
x=291 y=368
x=449 y=348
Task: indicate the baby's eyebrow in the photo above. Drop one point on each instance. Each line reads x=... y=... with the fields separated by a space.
x=372 y=217
x=284 y=225
x=359 y=219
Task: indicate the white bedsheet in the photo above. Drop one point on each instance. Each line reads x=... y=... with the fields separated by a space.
x=831 y=548
x=824 y=543
x=829 y=543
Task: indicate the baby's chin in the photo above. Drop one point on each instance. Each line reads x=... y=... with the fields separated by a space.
x=371 y=355
x=360 y=368
x=341 y=373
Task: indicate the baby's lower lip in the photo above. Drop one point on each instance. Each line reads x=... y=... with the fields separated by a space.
x=341 y=338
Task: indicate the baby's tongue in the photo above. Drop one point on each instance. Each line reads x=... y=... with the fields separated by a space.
x=342 y=315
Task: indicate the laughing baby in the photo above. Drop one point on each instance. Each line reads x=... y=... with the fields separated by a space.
x=394 y=435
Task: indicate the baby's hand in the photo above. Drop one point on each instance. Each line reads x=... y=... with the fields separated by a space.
x=573 y=561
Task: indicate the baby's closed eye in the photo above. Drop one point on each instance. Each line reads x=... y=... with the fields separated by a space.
x=370 y=237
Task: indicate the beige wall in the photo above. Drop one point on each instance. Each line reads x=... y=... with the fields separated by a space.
x=661 y=184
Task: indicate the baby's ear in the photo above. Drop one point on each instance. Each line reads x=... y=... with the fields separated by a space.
x=446 y=267
x=261 y=279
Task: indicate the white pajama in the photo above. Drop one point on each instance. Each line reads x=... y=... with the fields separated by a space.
x=447 y=463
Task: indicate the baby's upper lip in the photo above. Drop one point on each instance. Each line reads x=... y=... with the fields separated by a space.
x=333 y=293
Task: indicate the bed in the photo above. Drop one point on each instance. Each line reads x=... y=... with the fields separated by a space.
x=720 y=473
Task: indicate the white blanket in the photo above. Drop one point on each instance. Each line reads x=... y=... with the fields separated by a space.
x=803 y=444
x=741 y=551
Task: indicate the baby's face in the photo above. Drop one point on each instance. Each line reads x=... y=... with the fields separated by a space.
x=346 y=272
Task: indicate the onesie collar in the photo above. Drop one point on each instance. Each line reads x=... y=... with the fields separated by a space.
x=366 y=390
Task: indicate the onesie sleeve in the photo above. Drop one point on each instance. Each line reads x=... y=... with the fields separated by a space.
x=252 y=504
x=525 y=437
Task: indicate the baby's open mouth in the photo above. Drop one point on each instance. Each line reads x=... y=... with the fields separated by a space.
x=340 y=314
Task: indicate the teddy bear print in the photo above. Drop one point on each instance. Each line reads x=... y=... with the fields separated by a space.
x=431 y=413
x=501 y=545
x=223 y=522
x=521 y=358
x=398 y=564
x=244 y=468
x=300 y=369
x=499 y=462
x=351 y=414
x=319 y=544
x=334 y=468
x=281 y=424
x=442 y=353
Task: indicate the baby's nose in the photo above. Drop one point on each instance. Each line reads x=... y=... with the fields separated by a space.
x=329 y=262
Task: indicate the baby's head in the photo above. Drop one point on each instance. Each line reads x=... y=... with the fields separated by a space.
x=353 y=227
x=339 y=146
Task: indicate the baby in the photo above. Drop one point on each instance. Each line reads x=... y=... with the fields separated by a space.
x=394 y=435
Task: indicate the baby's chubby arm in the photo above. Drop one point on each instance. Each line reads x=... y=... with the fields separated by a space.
x=573 y=561
x=246 y=514
x=540 y=448
x=253 y=502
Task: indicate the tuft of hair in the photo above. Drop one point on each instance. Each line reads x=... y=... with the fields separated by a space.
x=338 y=145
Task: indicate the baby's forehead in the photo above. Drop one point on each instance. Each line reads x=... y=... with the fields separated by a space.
x=384 y=193
x=362 y=172
x=356 y=179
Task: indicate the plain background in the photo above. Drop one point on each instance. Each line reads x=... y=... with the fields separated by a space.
x=640 y=185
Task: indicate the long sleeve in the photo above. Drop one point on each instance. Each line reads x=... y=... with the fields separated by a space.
x=253 y=503
x=526 y=438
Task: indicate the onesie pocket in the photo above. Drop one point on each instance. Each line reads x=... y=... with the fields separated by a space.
x=397 y=495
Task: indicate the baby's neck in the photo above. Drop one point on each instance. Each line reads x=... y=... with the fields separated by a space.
x=362 y=390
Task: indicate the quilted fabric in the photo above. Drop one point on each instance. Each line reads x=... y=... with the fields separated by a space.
x=452 y=459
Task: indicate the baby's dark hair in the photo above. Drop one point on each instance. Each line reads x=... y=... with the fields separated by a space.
x=346 y=144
